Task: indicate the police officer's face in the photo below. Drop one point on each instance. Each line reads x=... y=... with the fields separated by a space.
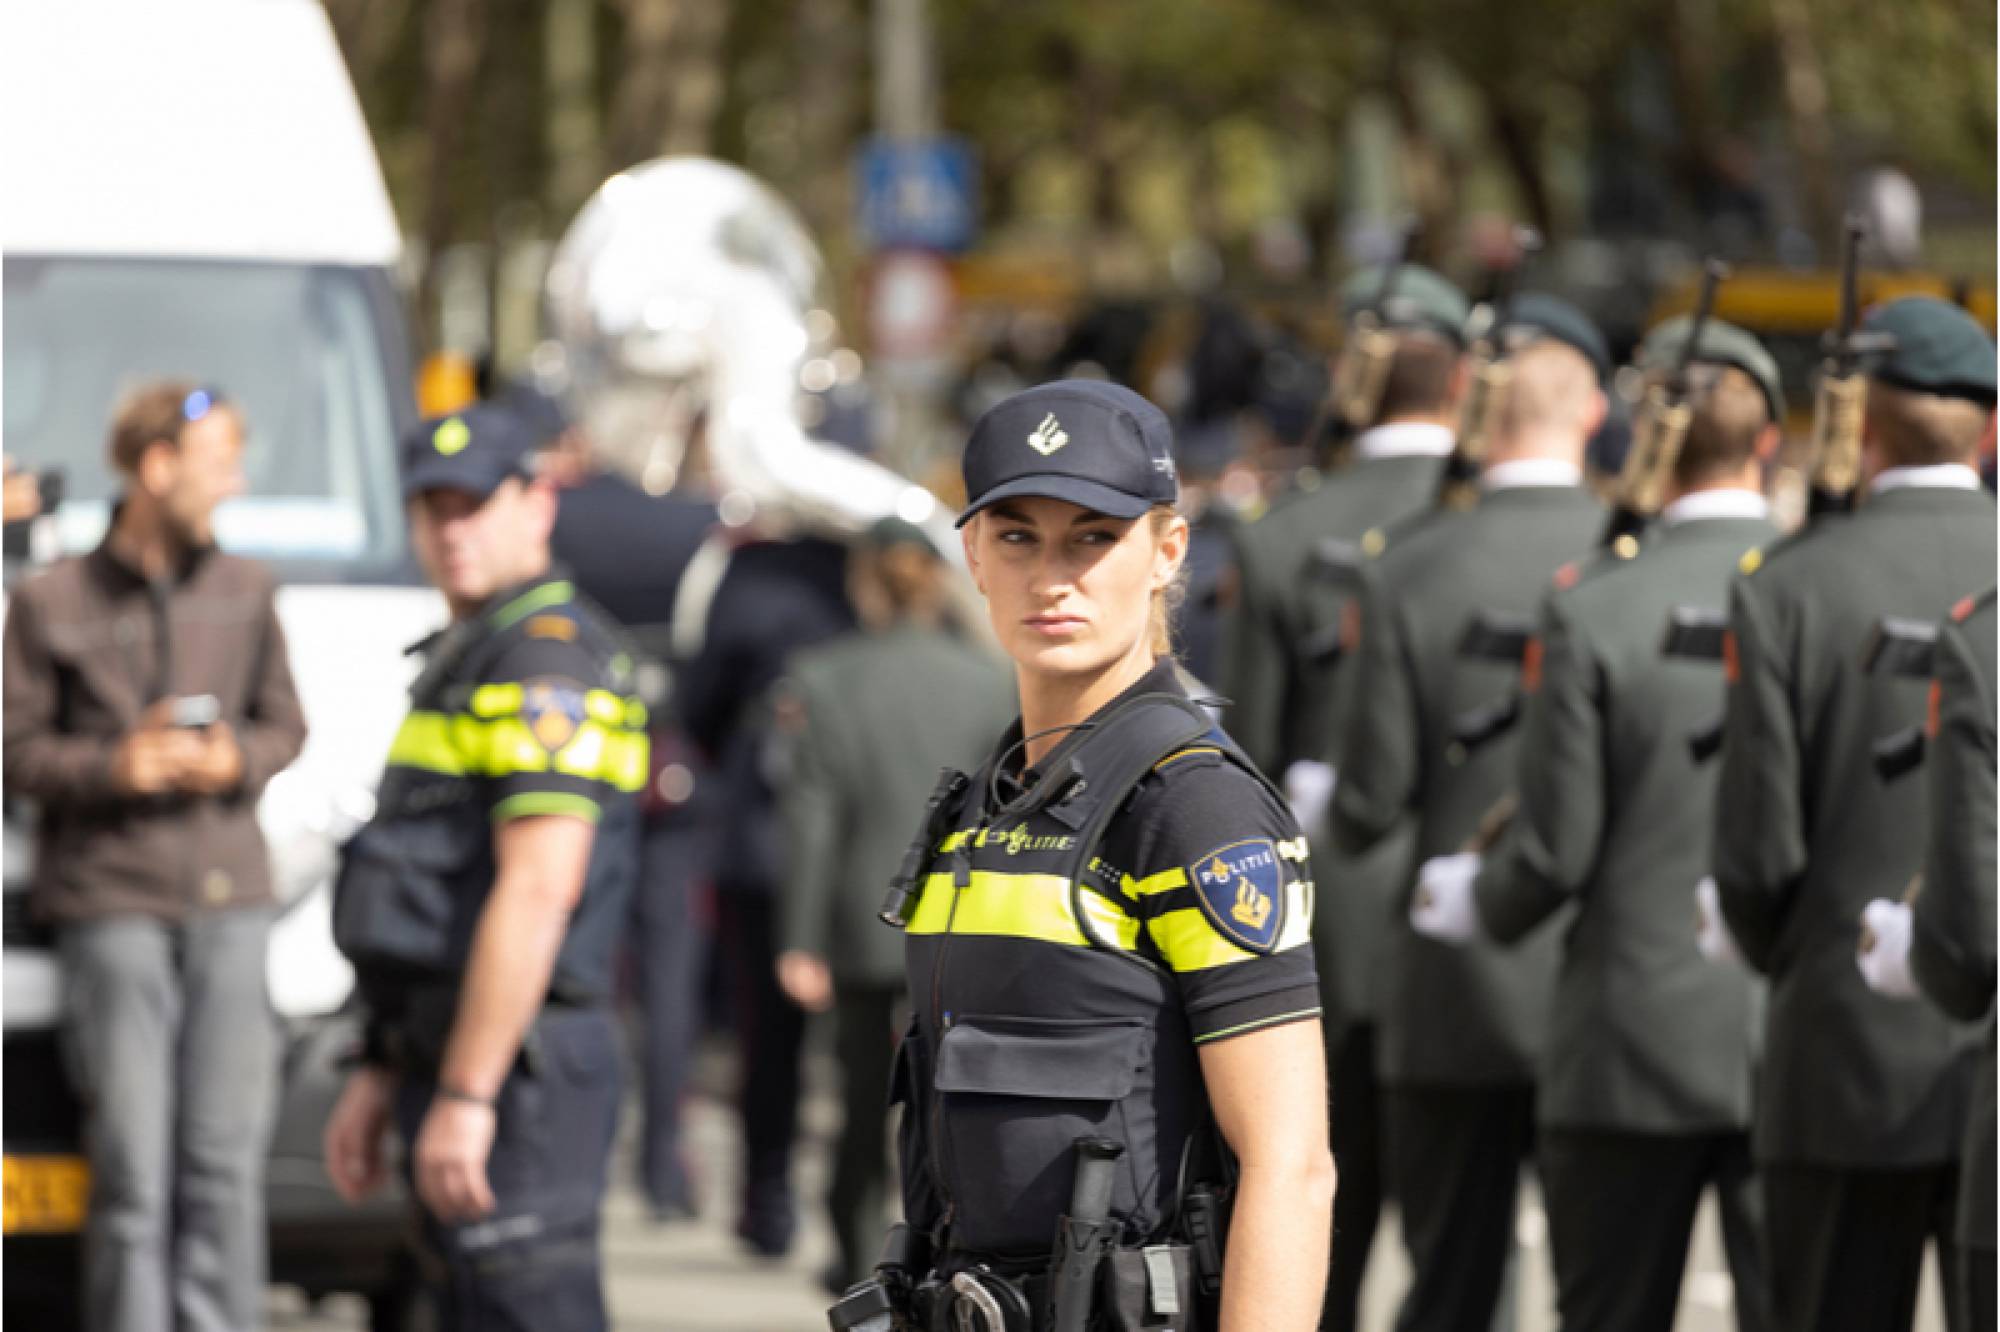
x=1070 y=590
x=473 y=547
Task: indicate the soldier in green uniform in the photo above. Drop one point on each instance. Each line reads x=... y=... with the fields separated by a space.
x=1281 y=669
x=1943 y=943
x=1644 y=1096
x=1862 y=1100
x=1461 y=1029
x=867 y=720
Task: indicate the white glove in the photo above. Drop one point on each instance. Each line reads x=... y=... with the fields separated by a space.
x=1884 y=958
x=1309 y=790
x=1711 y=931
x=1443 y=908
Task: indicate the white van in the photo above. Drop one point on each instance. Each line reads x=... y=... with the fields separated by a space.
x=189 y=189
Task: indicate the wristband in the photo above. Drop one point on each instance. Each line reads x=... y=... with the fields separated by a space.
x=445 y=1093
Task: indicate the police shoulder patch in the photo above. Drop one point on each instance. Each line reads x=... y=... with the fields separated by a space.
x=1242 y=892
x=553 y=710
x=558 y=627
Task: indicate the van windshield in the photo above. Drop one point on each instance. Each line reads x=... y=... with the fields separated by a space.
x=303 y=351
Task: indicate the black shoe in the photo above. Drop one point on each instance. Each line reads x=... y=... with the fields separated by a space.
x=767 y=1232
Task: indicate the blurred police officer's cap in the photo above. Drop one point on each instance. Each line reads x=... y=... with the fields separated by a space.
x=1419 y=301
x=474 y=451
x=1534 y=315
x=540 y=412
x=1721 y=344
x=1205 y=448
x=1092 y=443
x=891 y=532
x=1938 y=348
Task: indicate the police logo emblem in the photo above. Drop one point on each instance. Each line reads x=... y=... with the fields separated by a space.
x=1048 y=436
x=451 y=437
x=554 y=713
x=1242 y=892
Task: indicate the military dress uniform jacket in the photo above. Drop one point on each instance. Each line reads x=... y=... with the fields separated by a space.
x=525 y=708
x=1951 y=945
x=1616 y=815
x=869 y=720
x=1807 y=834
x=1027 y=1036
x=1451 y=1016
x=1283 y=635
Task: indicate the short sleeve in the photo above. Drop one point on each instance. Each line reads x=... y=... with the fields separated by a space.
x=550 y=734
x=1220 y=876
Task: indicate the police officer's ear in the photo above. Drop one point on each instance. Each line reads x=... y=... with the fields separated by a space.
x=1170 y=544
x=538 y=504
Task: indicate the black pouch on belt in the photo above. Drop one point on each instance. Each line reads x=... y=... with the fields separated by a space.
x=1151 y=1290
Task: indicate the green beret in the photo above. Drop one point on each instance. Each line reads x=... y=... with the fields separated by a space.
x=1939 y=348
x=1420 y=299
x=1537 y=314
x=886 y=533
x=1721 y=344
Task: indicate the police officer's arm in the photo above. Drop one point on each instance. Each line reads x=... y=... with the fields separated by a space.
x=1269 y=1093
x=1254 y=655
x=1760 y=849
x=1378 y=755
x=1952 y=941
x=1549 y=850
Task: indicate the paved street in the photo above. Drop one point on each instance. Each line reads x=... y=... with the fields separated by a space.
x=694 y=1277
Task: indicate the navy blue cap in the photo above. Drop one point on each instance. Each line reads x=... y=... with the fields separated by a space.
x=473 y=451
x=1536 y=314
x=1092 y=443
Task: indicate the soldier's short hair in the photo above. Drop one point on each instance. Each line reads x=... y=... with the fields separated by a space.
x=1914 y=429
x=1730 y=412
x=1551 y=385
x=1421 y=378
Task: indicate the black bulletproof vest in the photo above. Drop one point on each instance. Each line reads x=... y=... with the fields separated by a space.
x=1042 y=1011
x=413 y=881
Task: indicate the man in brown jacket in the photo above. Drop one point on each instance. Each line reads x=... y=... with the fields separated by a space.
x=147 y=702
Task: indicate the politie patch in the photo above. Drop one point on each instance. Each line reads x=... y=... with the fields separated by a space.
x=1242 y=892
x=553 y=710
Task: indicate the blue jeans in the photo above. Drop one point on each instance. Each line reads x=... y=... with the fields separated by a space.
x=170 y=1040
x=532 y=1265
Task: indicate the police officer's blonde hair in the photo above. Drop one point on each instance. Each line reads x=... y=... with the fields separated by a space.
x=1167 y=600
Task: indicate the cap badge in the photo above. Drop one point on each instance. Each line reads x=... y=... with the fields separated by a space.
x=452 y=436
x=1048 y=436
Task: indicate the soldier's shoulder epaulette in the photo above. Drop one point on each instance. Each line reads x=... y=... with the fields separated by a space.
x=1758 y=558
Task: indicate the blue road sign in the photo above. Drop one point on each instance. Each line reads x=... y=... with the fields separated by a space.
x=920 y=194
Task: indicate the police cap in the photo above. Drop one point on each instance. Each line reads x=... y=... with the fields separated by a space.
x=1092 y=443
x=473 y=451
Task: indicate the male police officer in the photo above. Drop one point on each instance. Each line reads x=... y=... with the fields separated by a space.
x=481 y=905
x=1862 y=1099
x=1461 y=1030
x=1644 y=1099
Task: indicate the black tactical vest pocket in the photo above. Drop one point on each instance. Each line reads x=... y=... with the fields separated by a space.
x=409 y=892
x=1013 y=1096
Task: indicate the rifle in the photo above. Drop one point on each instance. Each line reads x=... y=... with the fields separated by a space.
x=1490 y=377
x=1663 y=426
x=1363 y=371
x=1835 y=464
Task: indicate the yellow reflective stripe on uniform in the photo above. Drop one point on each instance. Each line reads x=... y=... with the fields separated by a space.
x=496 y=700
x=424 y=741
x=507 y=699
x=1018 y=906
x=956 y=840
x=465 y=745
x=1189 y=942
x=1163 y=882
x=547 y=802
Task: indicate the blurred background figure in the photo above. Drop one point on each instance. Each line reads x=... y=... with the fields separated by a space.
x=627 y=551
x=866 y=721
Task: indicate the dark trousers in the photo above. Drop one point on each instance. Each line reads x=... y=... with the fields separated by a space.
x=1357 y=1157
x=1847 y=1246
x=532 y=1265
x=1621 y=1209
x=770 y=1029
x=666 y=950
x=1976 y=1289
x=865 y=1031
x=1455 y=1156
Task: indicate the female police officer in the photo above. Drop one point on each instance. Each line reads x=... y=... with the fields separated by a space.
x=1106 y=939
